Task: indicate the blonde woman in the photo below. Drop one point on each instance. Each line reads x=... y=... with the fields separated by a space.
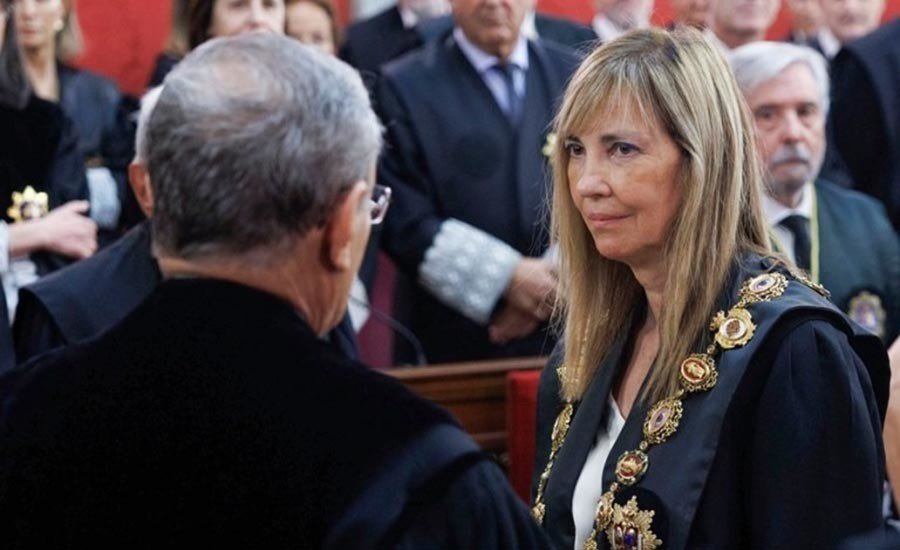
x=705 y=396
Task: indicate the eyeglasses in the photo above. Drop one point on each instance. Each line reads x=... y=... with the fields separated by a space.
x=378 y=204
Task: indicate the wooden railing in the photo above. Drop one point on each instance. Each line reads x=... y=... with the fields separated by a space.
x=475 y=393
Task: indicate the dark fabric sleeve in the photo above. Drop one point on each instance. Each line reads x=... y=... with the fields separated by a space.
x=816 y=461
x=478 y=511
x=7 y=353
x=410 y=227
x=34 y=330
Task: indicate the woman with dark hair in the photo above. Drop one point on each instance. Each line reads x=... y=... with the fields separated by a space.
x=49 y=37
x=214 y=18
x=313 y=23
x=176 y=44
x=43 y=190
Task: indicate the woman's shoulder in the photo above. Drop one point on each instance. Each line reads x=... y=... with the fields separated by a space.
x=77 y=80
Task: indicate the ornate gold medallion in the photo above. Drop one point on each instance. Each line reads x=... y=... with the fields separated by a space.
x=631 y=467
x=764 y=287
x=561 y=427
x=631 y=528
x=866 y=310
x=662 y=420
x=28 y=205
x=698 y=373
x=736 y=329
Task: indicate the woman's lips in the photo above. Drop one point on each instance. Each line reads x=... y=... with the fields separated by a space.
x=600 y=220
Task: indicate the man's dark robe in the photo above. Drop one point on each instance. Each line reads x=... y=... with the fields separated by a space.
x=213 y=416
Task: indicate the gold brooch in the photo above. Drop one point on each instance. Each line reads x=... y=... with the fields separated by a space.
x=698 y=373
x=631 y=528
x=815 y=286
x=735 y=330
x=549 y=145
x=764 y=287
x=662 y=420
x=631 y=467
x=28 y=205
x=866 y=310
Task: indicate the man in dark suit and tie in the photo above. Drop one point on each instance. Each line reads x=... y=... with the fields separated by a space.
x=467 y=119
x=842 y=238
x=213 y=415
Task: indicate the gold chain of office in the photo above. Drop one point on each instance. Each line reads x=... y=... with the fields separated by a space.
x=627 y=526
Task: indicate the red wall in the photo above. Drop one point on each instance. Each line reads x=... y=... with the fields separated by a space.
x=124 y=37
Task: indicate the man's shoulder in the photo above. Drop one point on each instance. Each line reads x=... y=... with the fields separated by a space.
x=868 y=210
x=883 y=41
x=563 y=31
x=418 y=64
x=82 y=276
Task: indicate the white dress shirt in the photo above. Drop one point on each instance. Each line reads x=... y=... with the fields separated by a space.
x=589 y=487
x=774 y=212
x=485 y=62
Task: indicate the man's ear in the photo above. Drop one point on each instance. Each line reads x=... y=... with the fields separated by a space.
x=337 y=239
x=139 y=179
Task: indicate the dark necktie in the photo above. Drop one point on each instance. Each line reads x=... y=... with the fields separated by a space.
x=799 y=227
x=507 y=72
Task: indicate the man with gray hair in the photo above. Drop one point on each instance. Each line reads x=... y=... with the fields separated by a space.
x=842 y=238
x=214 y=414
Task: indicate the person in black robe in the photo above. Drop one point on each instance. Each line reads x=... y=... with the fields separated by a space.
x=85 y=299
x=707 y=394
x=214 y=414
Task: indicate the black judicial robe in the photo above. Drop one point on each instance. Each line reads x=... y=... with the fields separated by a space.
x=784 y=452
x=187 y=424
x=39 y=148
x=7 y=351
x=859 y=258
x=451 y=152
x=85 y=299
x=865 y=113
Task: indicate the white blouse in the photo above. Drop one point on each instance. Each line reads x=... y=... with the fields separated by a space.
x=589 y=487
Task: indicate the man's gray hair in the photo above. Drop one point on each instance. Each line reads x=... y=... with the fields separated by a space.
x=253 y=142
x=148 y=103
x=758 y=62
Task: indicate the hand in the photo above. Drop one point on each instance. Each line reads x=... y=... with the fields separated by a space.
x=532 y=288
x=512 y=324
x=66 y=231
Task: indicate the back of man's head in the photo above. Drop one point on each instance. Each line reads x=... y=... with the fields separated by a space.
x=252 y=143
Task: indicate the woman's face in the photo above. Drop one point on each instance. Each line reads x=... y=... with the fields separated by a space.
x=623 y=178
x=37 y=22
x=233 y=17
x=311 y=25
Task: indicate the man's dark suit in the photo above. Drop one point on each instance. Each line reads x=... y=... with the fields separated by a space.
x=214 y=416
x=859 y=256
x=85 y=299
x=865 y=114
x=564 y=32
x=452 y=153
x=371 y=43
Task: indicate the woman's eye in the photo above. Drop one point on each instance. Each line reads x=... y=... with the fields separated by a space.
x=623 y=149
x=574 y=149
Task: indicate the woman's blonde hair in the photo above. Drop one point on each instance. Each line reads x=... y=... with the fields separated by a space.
x=680 y=82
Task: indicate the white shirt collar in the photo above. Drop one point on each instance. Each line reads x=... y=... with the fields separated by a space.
x=409 y=17
x=774 y=211
x=483 y=61
x=829 y=42
x=529 y=26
